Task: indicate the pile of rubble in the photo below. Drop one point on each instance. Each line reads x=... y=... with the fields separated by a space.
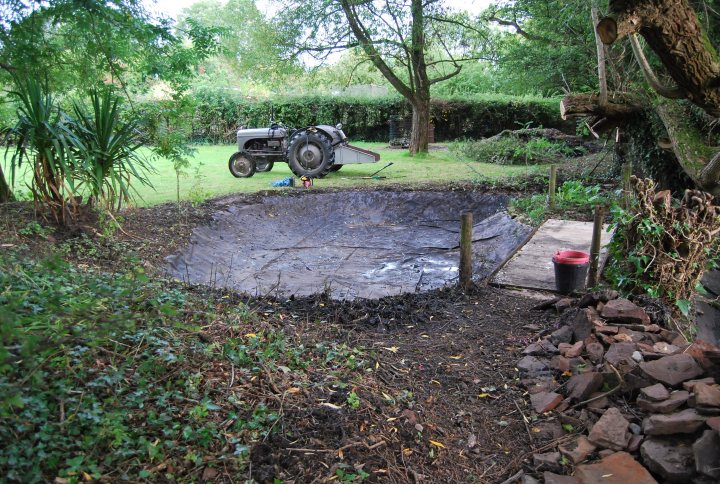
x=620 y=398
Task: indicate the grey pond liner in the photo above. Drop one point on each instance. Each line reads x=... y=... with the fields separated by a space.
x=354 y=244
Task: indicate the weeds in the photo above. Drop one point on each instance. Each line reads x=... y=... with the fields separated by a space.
x=114 y=376
x=572 y=195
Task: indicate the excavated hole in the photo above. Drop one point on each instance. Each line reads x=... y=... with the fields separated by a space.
x=352 y=244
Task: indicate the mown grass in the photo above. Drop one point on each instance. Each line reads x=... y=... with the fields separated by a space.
x=208 y=175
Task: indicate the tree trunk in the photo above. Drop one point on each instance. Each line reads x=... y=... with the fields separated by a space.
x=5 y=192
x=420 y=126
x=673 y=31
x=696 y=158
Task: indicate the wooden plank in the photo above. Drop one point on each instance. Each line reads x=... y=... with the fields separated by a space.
x=532 y=268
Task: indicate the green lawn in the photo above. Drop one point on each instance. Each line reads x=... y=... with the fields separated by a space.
x=214 y=179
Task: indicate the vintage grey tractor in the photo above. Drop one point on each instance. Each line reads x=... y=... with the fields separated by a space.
x=312 y=152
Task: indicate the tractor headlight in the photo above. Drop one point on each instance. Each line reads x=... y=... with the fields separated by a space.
x=338 y=126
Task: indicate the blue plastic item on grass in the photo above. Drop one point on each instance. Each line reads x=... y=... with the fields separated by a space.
x=285 y=182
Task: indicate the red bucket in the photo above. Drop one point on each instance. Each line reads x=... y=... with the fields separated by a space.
x=571 y=268
x=574 y=257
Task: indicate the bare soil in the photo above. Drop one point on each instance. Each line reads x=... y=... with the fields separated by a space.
x=441 y=404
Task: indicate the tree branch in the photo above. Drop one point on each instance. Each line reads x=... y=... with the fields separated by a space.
x=674 y=92
x=366 y=43
x=518 y=29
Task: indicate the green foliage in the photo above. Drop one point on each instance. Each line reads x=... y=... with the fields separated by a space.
x=216 y=114
x=551 y=47
x=104 y=375
x=571 y=196
x=353 y=400
x=510 y=150
x=42 y=138
x=106 y=150
x=248 y=45
x=94 y=153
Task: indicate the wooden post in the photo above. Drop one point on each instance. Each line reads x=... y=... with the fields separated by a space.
x=466 y=226
x=553 y=187
x=593 y=275
x=626 y=186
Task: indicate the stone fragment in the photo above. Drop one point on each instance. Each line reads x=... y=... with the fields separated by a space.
x=624 y=311
x=571 y=351
x=635 y=336
x=562 y=364
x=637 y=356
x=577 y=450
x=634 y=382
x=635 y=428
x=672 y=370
x=582 y=325
x=706 y=451
x=690 y=384
x=580 y=387
x=655 y=393
x=666 y=348
x=605 y=453
x=622 y=338
x=537 y=385
x=561 y=335
x=669 y=405
x=706 y=395
x=549 y=461
x=531 y=364
x=545 y=401
x=595 y=352
x=608 y=329
x=617 y=468
x=713 y=423
x=528 y=479
x=634 y=443
x=707 y=355
x=563 y=304
x=653 y=328
x=548 y=430
x=552 y=478
x=593 y=298
x=540 y=348
x=611 y=431
x=684 y=422
x=671 y=459
x=600 y=403
x=620 y=354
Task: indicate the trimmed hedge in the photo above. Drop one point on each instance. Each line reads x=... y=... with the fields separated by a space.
x=218 y=114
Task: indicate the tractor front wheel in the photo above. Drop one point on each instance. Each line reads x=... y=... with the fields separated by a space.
x=241 y=165
x=310 y=154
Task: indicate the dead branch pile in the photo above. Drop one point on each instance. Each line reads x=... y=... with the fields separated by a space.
x=672 y=241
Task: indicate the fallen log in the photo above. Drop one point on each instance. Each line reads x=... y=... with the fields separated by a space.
x=588 y=105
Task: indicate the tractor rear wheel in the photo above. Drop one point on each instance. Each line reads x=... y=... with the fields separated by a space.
x=335 y=167
x=241 y=165
x=310 y=154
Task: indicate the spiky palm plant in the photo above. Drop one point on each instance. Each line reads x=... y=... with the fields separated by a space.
x=106 y=150
x=41 y=138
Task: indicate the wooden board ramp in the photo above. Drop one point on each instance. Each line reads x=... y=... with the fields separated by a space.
x=531 y=267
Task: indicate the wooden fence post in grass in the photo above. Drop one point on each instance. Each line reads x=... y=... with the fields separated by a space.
x=593 y=276
x=466 y=226
x=553 y=187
